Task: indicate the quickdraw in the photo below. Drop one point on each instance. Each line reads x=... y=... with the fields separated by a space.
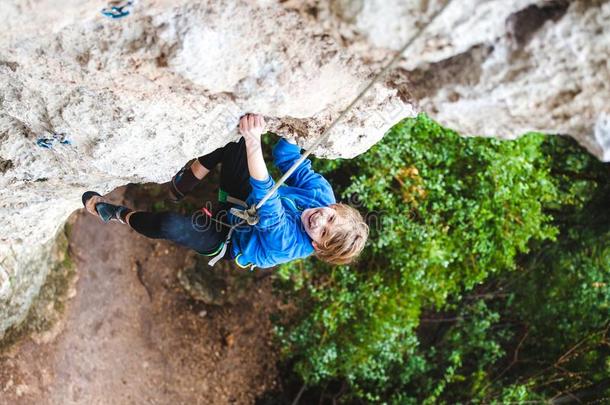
x=118 y=11
x=48 y=143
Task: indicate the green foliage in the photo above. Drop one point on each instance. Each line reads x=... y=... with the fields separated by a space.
x=446 y=212
x=540 y=332
x=486 y=278
x=562 y=295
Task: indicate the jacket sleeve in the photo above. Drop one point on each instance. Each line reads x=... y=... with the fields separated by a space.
x=285 y=154
x=271 y=214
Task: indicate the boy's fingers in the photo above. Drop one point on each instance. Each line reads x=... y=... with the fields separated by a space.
x=251 y=121
x=247 y=122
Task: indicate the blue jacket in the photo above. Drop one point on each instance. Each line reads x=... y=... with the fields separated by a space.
x=279 y=236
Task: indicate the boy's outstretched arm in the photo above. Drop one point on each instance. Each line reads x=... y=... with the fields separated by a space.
x=271 y=213
x=251 y=127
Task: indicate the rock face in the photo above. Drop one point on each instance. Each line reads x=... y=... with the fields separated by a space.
x=139 y=96
x=131 y=100
x=498 y=68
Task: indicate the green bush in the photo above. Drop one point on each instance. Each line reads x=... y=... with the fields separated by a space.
x=446 y=212
x=541 y=332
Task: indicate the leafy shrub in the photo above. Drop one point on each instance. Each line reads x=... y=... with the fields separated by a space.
x=446 y=212
x=541 y=332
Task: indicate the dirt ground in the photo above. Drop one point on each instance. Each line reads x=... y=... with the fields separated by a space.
x=132 y=335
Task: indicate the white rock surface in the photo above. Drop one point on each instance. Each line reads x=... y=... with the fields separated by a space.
x=498 y=68
x=139 y=96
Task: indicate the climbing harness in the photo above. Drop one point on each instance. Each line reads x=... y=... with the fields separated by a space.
x=224 y=197
x=119 y=11
x=249 y=215
x=251 y=219
x=225 y=245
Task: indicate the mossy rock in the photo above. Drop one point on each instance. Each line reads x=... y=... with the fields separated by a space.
x=49 y=306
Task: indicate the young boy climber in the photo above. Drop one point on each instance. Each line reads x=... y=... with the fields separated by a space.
x=301 y=218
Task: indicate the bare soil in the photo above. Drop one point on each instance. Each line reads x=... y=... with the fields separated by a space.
x=133 y=335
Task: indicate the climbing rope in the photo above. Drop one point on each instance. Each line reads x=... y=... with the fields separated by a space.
x=249 y=215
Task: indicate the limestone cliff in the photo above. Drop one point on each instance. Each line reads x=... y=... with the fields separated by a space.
x=133 y=99
x=495 y=68
x=130 y=100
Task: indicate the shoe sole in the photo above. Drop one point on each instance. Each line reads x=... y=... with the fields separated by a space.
x=87 y=195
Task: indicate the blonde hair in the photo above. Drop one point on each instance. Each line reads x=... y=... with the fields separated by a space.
x=345 y=239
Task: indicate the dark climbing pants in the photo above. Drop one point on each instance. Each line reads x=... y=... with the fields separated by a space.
x=198 y=231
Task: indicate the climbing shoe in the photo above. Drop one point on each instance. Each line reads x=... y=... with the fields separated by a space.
x=107 y=212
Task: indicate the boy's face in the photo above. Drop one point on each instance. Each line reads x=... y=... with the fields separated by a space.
x=318 y=221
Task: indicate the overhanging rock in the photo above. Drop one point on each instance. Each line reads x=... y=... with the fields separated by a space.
x=131 y=100
x=88 y=102
x=495 y=68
